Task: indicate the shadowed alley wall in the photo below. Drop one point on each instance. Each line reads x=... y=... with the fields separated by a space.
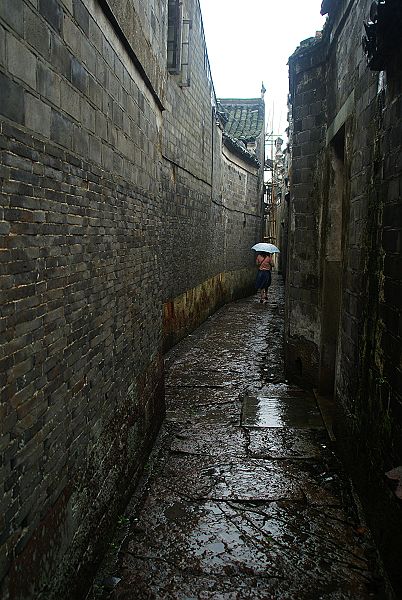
x=344 y=285
x=113 y=216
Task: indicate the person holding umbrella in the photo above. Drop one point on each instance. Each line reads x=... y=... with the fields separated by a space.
x=265 y=264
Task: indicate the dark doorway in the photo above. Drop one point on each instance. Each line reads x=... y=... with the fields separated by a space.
x=332 y=264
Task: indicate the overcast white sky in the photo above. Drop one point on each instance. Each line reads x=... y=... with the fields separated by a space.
x=250 y=42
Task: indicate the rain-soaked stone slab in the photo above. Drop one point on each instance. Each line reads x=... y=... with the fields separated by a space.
x=236 y=478
x=278 y=443
x=204 y=414
x=297 y=412
x=182 y=397
x=203 y=405
x=202 y=377
x=244 y=550
x=212 y=440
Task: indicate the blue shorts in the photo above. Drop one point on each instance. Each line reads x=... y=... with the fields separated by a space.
x=263 y=280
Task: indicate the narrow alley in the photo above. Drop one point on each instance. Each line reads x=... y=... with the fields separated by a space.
x=163 y=434
x=244 y=497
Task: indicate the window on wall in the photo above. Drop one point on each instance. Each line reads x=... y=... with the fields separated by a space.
x=185 y=53
x=178 y=43
x=174 y=40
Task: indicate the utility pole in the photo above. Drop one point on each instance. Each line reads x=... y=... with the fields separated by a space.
x=270 y=208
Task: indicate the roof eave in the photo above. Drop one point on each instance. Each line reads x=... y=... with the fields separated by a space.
x=243 y=153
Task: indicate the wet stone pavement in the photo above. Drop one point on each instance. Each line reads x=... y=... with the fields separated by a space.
x=244 y=497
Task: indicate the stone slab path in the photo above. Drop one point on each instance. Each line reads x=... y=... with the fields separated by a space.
x=245 y=498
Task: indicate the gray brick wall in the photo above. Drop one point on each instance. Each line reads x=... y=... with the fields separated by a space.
x=110 y=207
x=361 y=145
x=308 y=90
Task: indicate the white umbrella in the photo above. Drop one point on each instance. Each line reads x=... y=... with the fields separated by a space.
x=263 y=247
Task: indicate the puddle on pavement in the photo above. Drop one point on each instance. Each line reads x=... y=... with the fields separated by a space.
x=298 y=412
x=279 y=443
x=281 y=390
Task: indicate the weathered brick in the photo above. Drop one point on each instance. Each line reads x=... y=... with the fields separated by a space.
x=48 y=84
x=392 y=240
x=20 y=369
x=95 y=35
x=36 y=33
x=21 y=61
x=2 y=46
x=87 y=116
x=81 y=15
x=70 y=100
x=79 y=76
x=4 y=228
x=392 y=216
x=37 y=115
x=60 y=56
x=61 y=129
x=11 y=100
x=53 y=13
x=12 y=13
x=72 y=36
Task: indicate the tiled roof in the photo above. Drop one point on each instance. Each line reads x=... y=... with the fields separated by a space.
x=237 y=147
x=245 y=117
x=306 y=45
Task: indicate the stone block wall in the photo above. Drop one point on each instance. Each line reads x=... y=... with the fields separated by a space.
x=109 y=174
x=242 y=225
x=303 y=323
x=368 y=369
x=357 y=209
x=214 y=235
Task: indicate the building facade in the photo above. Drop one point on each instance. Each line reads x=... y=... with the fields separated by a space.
x=118 y=237
x=344 y=276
